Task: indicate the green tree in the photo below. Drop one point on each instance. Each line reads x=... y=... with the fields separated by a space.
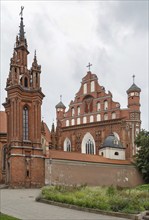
x=142 y=156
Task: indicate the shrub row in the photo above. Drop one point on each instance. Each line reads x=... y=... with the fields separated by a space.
x=102 y=198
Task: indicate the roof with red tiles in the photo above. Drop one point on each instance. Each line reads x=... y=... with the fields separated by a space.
x=63 y=155
x=3 y=122
x=47 y=132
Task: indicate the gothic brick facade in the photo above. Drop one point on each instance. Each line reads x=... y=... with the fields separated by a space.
x=93 y=115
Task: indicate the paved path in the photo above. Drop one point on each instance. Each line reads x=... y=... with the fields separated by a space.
x=21 y=204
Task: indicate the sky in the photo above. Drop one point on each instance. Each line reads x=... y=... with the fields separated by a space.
x=67 y=35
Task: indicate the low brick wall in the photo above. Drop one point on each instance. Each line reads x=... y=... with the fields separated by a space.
x=69 y=172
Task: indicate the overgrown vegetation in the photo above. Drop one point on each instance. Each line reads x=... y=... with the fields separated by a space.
x=111 y=198
x=6 y=217
x=142 y=156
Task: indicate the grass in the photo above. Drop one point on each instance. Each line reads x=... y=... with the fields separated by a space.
x=6 y=217
x=116 y=199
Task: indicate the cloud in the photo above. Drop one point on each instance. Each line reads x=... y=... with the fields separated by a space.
x=112 y=35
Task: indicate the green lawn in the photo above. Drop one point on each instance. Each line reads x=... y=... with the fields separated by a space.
x=118 y=199
x=6 y=217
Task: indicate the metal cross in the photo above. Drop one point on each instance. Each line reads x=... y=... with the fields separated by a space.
x=89 y=65
x=21 y=13
x=61 y=98
x=133 y=78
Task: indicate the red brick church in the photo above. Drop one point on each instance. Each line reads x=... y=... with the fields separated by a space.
x=94 y=128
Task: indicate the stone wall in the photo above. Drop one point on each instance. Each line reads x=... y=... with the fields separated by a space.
x=59 y=171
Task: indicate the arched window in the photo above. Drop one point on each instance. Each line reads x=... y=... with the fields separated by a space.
x=72 y=122
x=67 y=122
x=113 y=115
x=67 y=145
x=78 y=121
x=72 y=112
x=105 y=105
x=98 y=106
x=105 y=116
x=91 y=118
x=36 y=78
x=98 y=117
x=89 y=147
x=92 y=86
x=25 y=123
x=78 y=110
x=85 y=88
x=25 y=82
x=88 y=144
x=84 y=120
x=116 y=135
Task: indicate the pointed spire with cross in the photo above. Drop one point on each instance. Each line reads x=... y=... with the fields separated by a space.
x=35 y=58
x=21 y=13
x=133 y=78
x=22 y=33
x=89 y=65
x=60 y=98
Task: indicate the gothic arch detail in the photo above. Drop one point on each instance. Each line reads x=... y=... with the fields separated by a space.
x=67 y=144
x=88 y=144
x=25 y=123
x=88 y=103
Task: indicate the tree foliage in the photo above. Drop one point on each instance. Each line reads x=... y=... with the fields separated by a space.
x=142 y=156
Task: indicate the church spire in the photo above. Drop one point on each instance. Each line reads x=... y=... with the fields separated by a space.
x=21 y=33
x=20 y=39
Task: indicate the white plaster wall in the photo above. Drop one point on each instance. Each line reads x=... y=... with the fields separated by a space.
x=109 y=152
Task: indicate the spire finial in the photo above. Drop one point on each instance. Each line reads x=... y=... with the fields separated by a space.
x=133 y=78
x=22 y=33
x=21 y=13
x=89 y=65
x=61 y=98
x=35 y=57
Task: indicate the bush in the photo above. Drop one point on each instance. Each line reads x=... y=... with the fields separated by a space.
x=103 y=198
x=118 y=203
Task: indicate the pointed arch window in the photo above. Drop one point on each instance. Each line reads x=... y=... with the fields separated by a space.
x=105 y=116
x=105 y=105
x=25 y=123
x=72 y=112
x=78 y=110
x=67 y=122
x=91 y=118
x=113 y=115
x=26 y=82
x=98 y=106
x=85 y=88
x=89 y=147
x=98 y=117
x=92 y=86
x=67 y=145
x=88 y=144
x=78 y=121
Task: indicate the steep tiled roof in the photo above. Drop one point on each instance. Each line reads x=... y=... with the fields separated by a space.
x=60 y=105
x=134 y=88
x=47 y=132
x=54 y=154
x=3 y=122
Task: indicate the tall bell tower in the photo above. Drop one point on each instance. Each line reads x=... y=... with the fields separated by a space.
x=134 y=114
x=25 y=161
